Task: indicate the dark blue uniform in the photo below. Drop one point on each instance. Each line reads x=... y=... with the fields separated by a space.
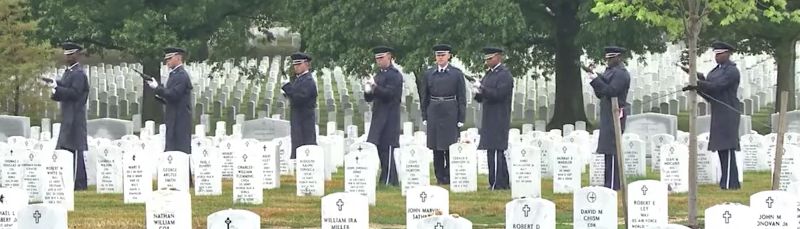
x=302 y=93
x=384 y=130
x=721 y=86
x=614 y=82
x=495 y=98
x=72 y=92
x=443 y=107
x=177 y=96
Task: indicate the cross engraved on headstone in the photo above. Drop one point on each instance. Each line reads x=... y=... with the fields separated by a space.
x=54 y=157
x=244 y=157
x=307 y=152
x=523 y=155
x=439 y=226
x=11 y=152
x=526 y=209
x=134 y=157
x=727 y=217
x=644 y=190
x=672 y=149
x=412 y=152
x=280 y=143
x=105 y=153
x=423 y=196
x=630 y=144
x=205 y=153
x=359 y=148
x=339 y=204
x=169 y=159
x=265 y=148
x=228 y=222
x=592 y=197
x=356 y=160
x=198 y=143
x=36 y=216
x=769 y=202
x=564 y=149
x=661 y=139
x=2 y=198
x=459 y=149
x=229 y=145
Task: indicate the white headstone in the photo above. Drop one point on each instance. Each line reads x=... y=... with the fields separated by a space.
x=754 y=151
x=233 y=219
x=657 y=142
x=11 y=170
x=109 y=170
x=635 y=157
x=675 y=167
x=422 y=202
x=173 y=171
x=525 y=172
x=566 y=169
x=345 y=210
x=729 y=216
x=13 y=200
x=271 y=168
x=207 y=171
x=463 y=168
x=647 y=204
x=310 y=171
x=169 y=209
x=707 y=163
x=530 y=213
x=597 y=169
x=594 y=207
x=248 y=178
x=227 y=149
x=359 y=173
x=790 y=169
x=33 y=175
x=138 y=180
x=415 y=166
x=59 y=184
x=43 y=216
x=668 y=226
x=284 y=147
x=774 y=209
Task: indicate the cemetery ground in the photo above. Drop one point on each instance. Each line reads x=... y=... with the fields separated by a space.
x=485 y=208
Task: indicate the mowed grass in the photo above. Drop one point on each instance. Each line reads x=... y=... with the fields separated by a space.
x=283 y=209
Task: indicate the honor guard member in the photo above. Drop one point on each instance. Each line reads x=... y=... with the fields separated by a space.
x=71 y=92
x=719 y=88
x=177 y=96
x=302 y=93
x=614 y=82
x=494 y=94
x=443 y=106
x=385 y=91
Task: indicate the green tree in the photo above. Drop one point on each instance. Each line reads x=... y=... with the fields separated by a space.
x=143 y=28
x=765 y=36
x=544 y=35
x=23 y=61
x=684 y=20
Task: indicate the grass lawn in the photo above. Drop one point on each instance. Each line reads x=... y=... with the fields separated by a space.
x=486 y=209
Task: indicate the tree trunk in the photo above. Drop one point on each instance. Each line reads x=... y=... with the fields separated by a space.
x=785 y=51
x=16 y=99
x=569 y=90
x=151 y=109
x=693 y=28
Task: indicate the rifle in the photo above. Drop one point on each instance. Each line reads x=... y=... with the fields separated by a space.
x=146 y=77
x=46 y=80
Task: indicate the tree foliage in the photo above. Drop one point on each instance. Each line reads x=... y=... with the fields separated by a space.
x=23 y=61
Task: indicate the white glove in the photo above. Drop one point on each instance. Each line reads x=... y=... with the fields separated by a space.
x=284 y=80
x=460 y=124
x=367 y=88
x=476 y=85
x=52 y=84
x=424 y=122
x=152 y=84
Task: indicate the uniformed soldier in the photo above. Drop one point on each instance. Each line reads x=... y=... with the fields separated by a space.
x=71 y=92
x=385 y=91
x=443 y=109
x=614 y=82
x=176 y=95
x=302 y=93
x=494 y=94
x=719 y=88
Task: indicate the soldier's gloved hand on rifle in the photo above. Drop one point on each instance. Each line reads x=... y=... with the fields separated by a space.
x=284 y=80
x=152 y=83
x=689 y=87
x=477 y=86
x=368 y=85
x=424 y=122
x=460 y=124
